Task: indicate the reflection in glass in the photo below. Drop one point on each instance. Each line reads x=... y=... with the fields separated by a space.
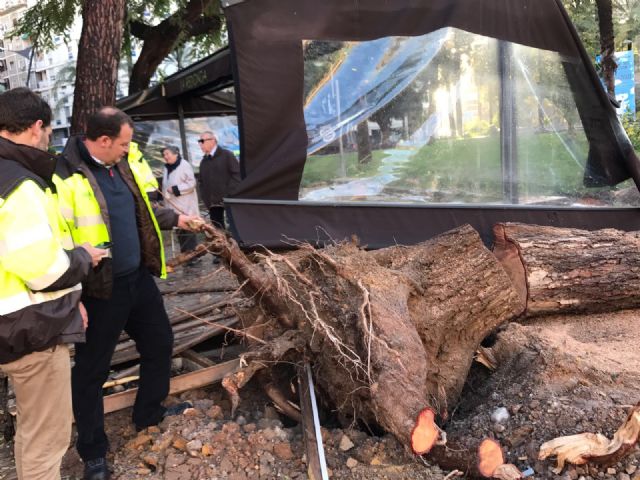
x=447 y=117
x=152 y=136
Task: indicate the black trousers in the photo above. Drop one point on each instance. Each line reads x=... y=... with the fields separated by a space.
x=187 y=240
x=136 y=307
x=216 y=214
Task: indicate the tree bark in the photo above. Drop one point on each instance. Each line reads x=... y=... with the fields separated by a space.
x=563 y=270
x=607 y=44
x=161 y=39
x=363 y=143
x=390 y=332
x=98 y=57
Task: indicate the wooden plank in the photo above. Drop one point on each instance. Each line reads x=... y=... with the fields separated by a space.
x=198 y=335
x=195 y=357
x=179 y=384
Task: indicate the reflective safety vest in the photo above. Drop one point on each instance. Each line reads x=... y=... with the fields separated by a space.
x=141 y=168
x=33 y=235
x=85 y=210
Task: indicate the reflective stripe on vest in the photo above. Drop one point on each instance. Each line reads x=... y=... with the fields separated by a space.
x=32 y=237
x=140 y=167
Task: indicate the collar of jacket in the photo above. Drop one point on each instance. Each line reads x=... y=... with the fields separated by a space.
x=172 y=167
x=33 y=159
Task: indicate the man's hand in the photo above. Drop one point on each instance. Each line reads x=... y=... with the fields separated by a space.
x=84 y=315
x=97 y=254
x=192 y=223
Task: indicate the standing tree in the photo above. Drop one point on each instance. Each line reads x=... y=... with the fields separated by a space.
x=103 y=38
x=196 y=18
x=607 y=44
x=98 y=57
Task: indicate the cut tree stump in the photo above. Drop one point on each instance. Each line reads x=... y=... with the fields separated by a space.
x=566 y=270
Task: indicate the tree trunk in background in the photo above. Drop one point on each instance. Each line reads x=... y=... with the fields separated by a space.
x=363 y=142
x=161 y=39
x=607 y=44
x=566 y=270
x=98 y=58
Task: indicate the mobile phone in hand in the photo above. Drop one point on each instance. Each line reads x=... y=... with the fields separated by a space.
x=105 y=245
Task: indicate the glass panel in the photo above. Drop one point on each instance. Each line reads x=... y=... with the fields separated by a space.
x=155 y=135
x=424 y=120
x=386 y=119
x=552 y=146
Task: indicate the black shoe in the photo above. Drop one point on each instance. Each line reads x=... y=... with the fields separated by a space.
x=177 y=409
x=96 y=469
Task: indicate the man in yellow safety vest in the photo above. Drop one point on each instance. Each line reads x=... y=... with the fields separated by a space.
x=40 y=275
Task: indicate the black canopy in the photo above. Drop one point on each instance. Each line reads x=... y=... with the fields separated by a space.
x=267 y=39
x=195 y=91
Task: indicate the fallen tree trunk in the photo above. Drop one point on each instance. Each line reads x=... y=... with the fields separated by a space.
x=390 y=332
x=566 y=270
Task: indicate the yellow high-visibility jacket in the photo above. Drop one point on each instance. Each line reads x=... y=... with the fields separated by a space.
x=86 y=213
x=141 y=168
x=40 y=271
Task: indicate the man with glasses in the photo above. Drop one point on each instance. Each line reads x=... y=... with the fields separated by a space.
x=219 y=176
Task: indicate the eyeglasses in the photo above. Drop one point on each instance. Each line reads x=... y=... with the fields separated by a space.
x=202 y=140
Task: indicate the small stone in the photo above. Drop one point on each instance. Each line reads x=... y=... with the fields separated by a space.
x=194 y=445
x=139 y=441
x=352 y=462
x=283 y=451
x=623 y=476
x=611 y=471
x=143 y=471
x=500 y=415
x=240 y=420
x=180 y=444
x=375 y=461
x=215 y=412
x=153 y=429
x=499 y=428
x=533 y=404
x=207 y=450
x=630 y=469
x=249 y=427
x=151 y=459
x=345 y=443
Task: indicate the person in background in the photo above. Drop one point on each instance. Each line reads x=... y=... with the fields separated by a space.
x=179 y=192
x=141 y=167
x=219 y=176
x=40 y=275
x=103 y=200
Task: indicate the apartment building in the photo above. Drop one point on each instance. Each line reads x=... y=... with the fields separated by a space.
x=46 y=69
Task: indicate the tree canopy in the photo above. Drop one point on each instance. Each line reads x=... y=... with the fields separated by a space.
x=159 y=27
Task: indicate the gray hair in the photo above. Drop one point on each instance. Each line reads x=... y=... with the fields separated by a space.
x=171 y=148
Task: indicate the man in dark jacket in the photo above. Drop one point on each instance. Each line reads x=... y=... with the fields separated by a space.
x=219 y=176
x=104 y=201
x=40 y=275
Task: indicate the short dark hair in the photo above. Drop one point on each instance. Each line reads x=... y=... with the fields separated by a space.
x=20 y=108
x=107 y=121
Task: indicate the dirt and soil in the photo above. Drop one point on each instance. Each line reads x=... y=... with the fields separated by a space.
x=556 y=376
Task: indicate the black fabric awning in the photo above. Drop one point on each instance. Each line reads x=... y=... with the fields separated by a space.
x=197 y=91
x=267 y=40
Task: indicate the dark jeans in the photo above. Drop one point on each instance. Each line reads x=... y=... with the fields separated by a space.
x=187 y=240
x=137 y=307
x=216 y=214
